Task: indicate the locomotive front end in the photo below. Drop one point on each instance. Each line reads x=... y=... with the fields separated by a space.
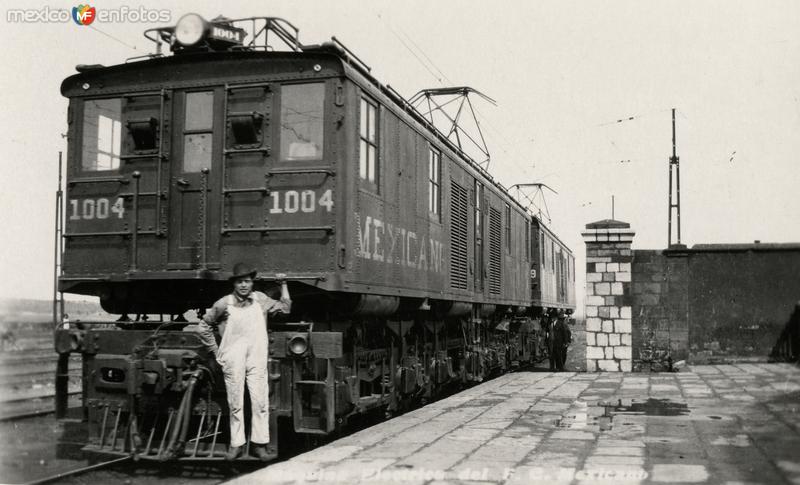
x=180 y=166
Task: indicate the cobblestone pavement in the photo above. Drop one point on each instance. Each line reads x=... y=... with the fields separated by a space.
x=711 y=424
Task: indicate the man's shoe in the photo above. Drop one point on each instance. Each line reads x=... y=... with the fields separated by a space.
x=260 y=452
x=234 y=452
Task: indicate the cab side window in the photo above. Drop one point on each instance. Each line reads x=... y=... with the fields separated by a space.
x=434 y=183
x=102 y=134
x=368 y=145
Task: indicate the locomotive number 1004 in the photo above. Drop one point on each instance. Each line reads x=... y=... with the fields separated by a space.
x=292 y=201
x=102 y=208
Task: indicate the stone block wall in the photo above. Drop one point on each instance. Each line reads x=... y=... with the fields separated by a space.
x=712 y=303
x=659 y=296
x=608 y=288
x=742 y=300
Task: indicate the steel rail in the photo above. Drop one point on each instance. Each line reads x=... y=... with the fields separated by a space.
x=78 y=471
x=31 y=414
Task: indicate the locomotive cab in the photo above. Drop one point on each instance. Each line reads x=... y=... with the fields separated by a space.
x=179 y=165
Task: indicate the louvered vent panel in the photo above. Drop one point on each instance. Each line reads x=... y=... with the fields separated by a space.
x=495 y=251
x=458 y=237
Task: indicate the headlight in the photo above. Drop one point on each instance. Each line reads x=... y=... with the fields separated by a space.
x=298 y=344
x=190 y=29
x=112 y=374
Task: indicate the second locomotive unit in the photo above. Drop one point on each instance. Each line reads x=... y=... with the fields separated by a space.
x=411 y=270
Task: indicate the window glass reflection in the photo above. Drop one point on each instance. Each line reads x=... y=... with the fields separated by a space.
x=199 y=111
x=302 y=107
x=196 y=152
x=102 y=134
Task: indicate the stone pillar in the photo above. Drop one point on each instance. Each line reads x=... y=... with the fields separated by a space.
x=608 y=306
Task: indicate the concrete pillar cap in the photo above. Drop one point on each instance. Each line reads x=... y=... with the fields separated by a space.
x=608 y=224
x=608 y=231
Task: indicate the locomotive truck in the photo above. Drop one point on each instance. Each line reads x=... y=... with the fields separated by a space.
x=412 y=271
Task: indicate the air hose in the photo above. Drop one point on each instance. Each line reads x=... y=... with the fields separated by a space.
x=181 y=426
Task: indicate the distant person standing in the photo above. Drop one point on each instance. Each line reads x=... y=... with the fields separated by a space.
x=560 y=338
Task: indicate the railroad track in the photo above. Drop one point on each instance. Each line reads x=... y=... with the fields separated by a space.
x=79 y=471
x=26 y=408
x=40 y=449
x=27 y=377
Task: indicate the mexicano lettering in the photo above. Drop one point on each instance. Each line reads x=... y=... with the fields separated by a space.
x=384 y=242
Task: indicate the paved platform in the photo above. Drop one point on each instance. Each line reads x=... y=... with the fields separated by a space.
x=710 y=424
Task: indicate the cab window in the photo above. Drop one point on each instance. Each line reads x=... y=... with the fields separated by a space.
x=102 y=134
x=368 y=146
x=434 y=182
x=302 y=121
x=198 y=131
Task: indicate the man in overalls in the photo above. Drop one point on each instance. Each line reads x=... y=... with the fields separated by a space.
x=241 y=318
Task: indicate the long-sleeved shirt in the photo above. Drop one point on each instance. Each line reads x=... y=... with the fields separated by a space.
x=216 y=316
x=560 y=335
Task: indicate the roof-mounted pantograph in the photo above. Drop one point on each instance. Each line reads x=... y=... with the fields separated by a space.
x=444 y=108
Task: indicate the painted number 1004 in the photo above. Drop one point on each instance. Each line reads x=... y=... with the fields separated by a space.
x=102 y=208
x=293 y=201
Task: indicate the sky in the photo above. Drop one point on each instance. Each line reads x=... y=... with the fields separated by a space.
x=562 y=72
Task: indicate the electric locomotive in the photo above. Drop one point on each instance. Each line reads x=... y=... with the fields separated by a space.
x=411 y=270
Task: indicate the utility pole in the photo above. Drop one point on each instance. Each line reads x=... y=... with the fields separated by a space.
x=674 y=167
x=58 y=250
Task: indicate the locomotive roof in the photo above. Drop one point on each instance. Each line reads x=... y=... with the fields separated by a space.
x=358 y=70
x=347 y=63
x=73 y=85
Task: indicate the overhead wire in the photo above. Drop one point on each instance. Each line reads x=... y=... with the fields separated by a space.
x=624 y=159
x=424 y=54
x=505 y=145
x=112 y=37
x=391 y=29
x=430 y=66
x=625 y=119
